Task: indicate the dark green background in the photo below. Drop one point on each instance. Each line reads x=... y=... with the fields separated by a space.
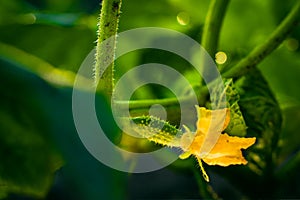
x=41 y=156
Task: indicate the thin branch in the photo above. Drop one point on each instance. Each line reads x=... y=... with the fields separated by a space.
x=168 y=103
x=263 y=50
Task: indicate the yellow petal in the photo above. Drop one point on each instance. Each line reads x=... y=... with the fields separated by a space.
x=209 y=145
x=227 y=151
x=212 y=120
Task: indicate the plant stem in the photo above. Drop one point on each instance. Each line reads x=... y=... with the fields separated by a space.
x=263 y=50
x=211 y=34
x=108 y=25
x=167 y=102
x=212 y=26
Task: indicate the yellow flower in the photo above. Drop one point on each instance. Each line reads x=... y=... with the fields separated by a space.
x=209 y=145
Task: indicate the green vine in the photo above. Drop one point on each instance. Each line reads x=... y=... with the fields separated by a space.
x=37 y=83
x=108 y=26
x=256 y=56
x=213 y=25
x=263 y=50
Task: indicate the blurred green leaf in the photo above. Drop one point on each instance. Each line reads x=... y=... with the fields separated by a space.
x=49 y=73
x=28 y=157
x=263 y=118
x=37 y=130
x=62 y=47
x=39 y=37
x=281 y=70
x=289 y=140
x=242 y=29
x=288 y=161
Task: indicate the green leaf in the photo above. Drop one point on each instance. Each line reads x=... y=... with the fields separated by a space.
x=237 y=125
x=263 y=117
x=28 y=156
x=63 y=47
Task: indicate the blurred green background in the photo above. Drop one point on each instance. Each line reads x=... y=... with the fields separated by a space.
x=41 y=156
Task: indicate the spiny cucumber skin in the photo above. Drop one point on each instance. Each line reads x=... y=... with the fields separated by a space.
x=157 y=130
x=156 y=123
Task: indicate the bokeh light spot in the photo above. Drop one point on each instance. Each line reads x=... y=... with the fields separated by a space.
x=221 y=57
x=183 y=18
x=292 y=44
x=29 y=18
